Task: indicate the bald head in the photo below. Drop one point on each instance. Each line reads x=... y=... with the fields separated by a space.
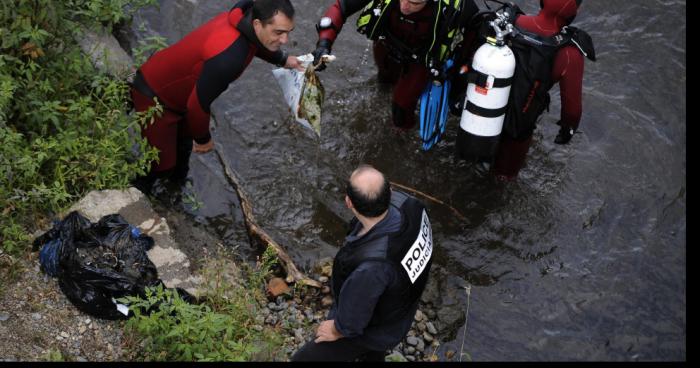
x=369 y=192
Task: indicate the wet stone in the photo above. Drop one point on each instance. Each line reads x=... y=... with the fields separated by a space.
x=327 y=301
x=431 y=328
x=299 y=335
x=412 y=340
x=421 y=345
x=271 y=319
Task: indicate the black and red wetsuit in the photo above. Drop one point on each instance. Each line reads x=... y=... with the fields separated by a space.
x=567 y=71
x=406 y=35
x=189 y=75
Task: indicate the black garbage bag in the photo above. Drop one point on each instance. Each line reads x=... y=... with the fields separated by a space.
x=98 y=263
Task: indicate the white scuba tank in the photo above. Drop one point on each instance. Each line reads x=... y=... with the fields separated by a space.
x=484 y=106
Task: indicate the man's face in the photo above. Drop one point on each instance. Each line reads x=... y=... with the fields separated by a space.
x=275 y=33
x=409 y=7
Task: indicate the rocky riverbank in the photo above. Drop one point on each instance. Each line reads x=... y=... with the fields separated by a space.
x=38 y=323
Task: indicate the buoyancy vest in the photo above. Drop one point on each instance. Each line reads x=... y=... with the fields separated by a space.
x=446 y=30
x=530 y=85
x=409 y=250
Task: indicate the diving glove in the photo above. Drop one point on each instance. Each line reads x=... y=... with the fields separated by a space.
x=323 y=47
x=564 y=135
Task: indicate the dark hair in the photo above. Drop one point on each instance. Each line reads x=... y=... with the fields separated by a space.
x=266 y=9
x=369 y=204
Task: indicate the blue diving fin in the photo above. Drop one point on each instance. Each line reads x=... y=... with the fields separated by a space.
x=434 y=108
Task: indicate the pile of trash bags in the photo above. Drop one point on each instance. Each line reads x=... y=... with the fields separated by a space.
x=97 y=263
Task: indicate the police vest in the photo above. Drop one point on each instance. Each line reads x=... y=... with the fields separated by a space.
x=409 y=250
x=446 y=28
x=529 y=93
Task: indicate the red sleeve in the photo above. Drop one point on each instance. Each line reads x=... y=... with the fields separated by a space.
x=339 y=12
x=197 y=119
x=336 y=16
x=568 y=71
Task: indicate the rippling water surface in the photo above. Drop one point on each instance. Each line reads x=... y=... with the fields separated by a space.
x=584 y=258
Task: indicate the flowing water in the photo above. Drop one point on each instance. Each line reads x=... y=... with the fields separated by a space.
x=583 y=258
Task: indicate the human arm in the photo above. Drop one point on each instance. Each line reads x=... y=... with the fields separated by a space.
x=216 y=74
x=359 y=295
x=294 y=63
x=568 y=71
x=327 y=332
x=328 y=32
x=279 y=57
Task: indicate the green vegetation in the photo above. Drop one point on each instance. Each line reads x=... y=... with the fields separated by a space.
x=64 y=128
x=220 y=328
x=54 y=355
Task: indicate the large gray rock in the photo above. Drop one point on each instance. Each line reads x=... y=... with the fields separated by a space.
x=106 y=53
x=172 y=264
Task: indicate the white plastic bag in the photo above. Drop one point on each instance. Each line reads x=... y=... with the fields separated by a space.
x=303 y=93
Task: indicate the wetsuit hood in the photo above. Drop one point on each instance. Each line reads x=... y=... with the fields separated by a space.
x=554 y=15
x=241 y=18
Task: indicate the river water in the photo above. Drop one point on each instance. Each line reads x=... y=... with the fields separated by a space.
x=583 y=258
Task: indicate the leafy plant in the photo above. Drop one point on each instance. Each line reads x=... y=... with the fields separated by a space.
x=64 y=126
x=221 y=328
x=147 y=47
x=54 y=355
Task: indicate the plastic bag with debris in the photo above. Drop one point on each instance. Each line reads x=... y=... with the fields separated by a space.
x=303 y=92
x=96 y=263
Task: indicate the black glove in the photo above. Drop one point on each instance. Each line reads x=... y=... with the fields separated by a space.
x=564 y=135
x=323 y=47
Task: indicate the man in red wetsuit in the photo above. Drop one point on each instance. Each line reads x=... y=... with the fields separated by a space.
x=188 y=76
x=408 y=37
x=567 y=71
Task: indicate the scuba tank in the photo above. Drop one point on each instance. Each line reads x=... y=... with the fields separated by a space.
x=487 y=94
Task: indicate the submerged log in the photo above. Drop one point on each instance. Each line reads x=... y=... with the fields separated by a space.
x=255 y=231
x=418 y=192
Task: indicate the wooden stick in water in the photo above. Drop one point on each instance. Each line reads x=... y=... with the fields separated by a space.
x=415 y=191
x=293 y=274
